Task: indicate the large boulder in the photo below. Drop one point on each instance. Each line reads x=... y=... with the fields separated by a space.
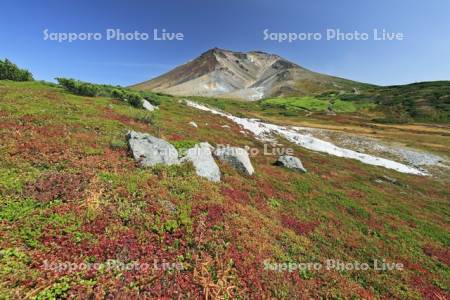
x=290 y=162
x=236 y=157
x=201 y=157
x=150 y=150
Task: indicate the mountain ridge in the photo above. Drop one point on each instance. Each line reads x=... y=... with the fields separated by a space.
x=251 y=75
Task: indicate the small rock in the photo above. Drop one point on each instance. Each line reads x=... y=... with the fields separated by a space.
x=148 y=106
x=193 y=124
x=290 y=162
x=205 y=165
x=237 y=157
x=330 y=112
x=150 y=150
x=389 y=179
x=225 y=126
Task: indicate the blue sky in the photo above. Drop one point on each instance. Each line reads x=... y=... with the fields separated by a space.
x=232 y=24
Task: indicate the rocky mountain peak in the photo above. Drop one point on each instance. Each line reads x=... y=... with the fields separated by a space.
x=249 y=75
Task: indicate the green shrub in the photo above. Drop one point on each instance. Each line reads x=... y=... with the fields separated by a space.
x=152 y=98
x=183 y=146
x=87 y=89
x=117 y=94
x=57 y=291
x=391 y=120
x=79 y=87
x=118 y=144
x=135 y=99
x=274 y=203
x=148 y=118
x=10 y=71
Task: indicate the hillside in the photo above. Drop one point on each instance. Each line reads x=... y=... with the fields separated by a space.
x=71 y=193
x=244 y=75
x=422 y=101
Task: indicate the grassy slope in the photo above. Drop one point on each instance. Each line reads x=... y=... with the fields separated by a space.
x=418 y=102
x=314 y=104
x=70 y=192
x=422 y=101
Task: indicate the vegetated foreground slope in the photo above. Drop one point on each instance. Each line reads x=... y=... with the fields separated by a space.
x=245 y=75
x=70 y=192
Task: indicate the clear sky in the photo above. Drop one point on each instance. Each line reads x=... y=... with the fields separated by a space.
x=423 y=55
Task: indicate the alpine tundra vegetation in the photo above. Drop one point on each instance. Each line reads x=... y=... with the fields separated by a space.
x=100 y=197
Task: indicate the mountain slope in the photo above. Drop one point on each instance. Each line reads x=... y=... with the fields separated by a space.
x=251 y=76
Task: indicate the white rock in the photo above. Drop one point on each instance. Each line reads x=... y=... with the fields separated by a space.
x=148 y=106
x=149 y=150
x=193 y=124
x=205 y=165
x=237 y=157
x=290 y=162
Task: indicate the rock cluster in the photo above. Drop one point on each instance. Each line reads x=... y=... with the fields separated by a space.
x=149 y=151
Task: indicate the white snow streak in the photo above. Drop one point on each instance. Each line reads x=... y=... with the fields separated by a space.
x=264 y=131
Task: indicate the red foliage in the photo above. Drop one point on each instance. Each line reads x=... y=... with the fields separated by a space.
x=59 y=185
x=428 y=290
x=38 y=151
x=298 y=227
x=354 y=194
x=249 y=272
x=176 y=137
x=130 y=122
x=442 y=254
x=215 y=214
x=236 y=195
x=266 y=189
x=111 y=160
x=375 y=223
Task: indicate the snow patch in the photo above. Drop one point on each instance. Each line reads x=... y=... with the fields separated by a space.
x=265 y=131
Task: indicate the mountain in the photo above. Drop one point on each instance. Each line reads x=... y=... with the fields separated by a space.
x=245 y=75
